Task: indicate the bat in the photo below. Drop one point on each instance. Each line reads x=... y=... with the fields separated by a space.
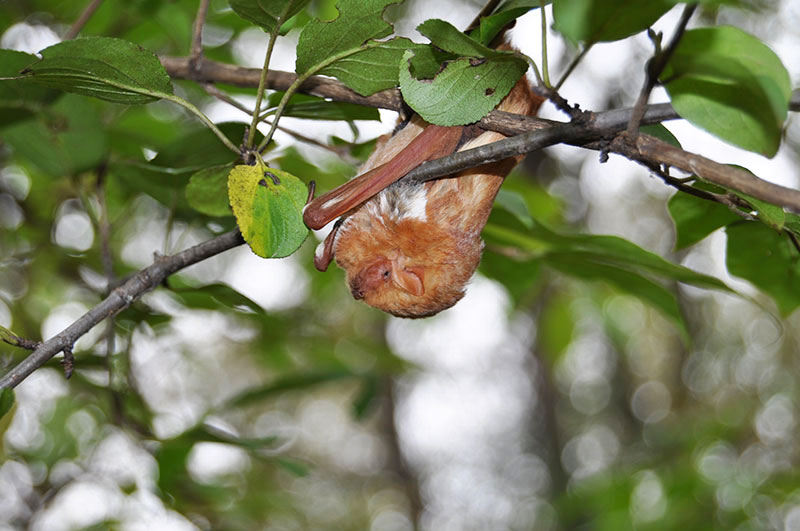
x=410 y=248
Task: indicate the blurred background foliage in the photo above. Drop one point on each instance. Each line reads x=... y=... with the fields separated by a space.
x=250 y=394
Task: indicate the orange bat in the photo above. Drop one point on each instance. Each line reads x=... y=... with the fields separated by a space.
x=409 y=248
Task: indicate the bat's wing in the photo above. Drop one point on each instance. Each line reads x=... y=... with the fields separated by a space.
x=433 y=142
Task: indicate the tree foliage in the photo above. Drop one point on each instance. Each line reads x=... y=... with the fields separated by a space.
x=639 y=384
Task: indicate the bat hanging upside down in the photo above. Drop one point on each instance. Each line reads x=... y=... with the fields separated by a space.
x=409 y=248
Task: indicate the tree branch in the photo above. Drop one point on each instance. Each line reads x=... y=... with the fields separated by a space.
x=84 y=17
x=196 y=49
x=594 y=134
x=655 y=66
x=208 y=71
x=119 y=299
x=599 y=132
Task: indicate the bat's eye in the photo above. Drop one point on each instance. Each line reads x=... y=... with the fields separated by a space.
x=387 y=275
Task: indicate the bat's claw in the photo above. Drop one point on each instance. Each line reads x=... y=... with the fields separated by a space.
x=312 y=188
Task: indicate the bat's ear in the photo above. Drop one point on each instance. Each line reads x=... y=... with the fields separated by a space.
x=408 y=279
x=324 y=255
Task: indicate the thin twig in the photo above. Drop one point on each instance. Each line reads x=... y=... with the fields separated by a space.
x=654 y=68
x=82 y=19
x=575 y=62
x=16 y=341
x=196 y=50
x=488 y=9
x=340 y=151
x=208 y=71
x=119 y=299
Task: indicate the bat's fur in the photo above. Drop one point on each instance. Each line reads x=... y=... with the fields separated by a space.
x=411 y=249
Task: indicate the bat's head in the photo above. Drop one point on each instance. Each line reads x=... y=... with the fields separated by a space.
x=409 y=268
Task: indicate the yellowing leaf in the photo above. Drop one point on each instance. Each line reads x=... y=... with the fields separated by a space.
x=268 y=205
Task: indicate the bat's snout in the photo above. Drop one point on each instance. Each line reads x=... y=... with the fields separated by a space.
x=357 y=290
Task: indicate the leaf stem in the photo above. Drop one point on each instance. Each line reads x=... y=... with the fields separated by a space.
x=203 y=118
x=301 y=79
x=575 y=61
x=251 y=135
x=535 y=68
x=545 y=67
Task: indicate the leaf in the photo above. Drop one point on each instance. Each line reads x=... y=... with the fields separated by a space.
x=8 y=407
x=18 y=99
x=582 y=266
x=772 y=215
x=696 y=218
x=296 y=468
x=351 y=35
x=468 y=87
x=662 y=133
x=768 y=260
x=591 y=21
x=212 y=297
x=608 y=258
x=515 y=204
x=6 y=401
x=313 y=108
x=367 y=397
x=269 y=14
x=268 y=205
x=556 y=327
x=729 y=83
x=167 y=175
x=65 y=139
x=207 y=191
x=493 y=24
x=627 y=255
x=285 y=383
x=373 y=69
x=102 y=67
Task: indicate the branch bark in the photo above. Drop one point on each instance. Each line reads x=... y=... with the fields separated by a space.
x=533 y=133
x=119 y=299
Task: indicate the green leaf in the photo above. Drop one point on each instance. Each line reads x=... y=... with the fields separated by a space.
x=768 y=260
x=207 y=191
x=18 y=99
x=212 y=297
x=627 y=255
x=772 y=215
x=313 y=108
x=65 y=139
x=6 y=402
x=8 y=407
x=514 y=203
x=324 y=46
x=269 y=14
x=373 y=69
x=662 y=133
x=556 y=326
x=166 y=177
x=591 y=21
x=590 y=267
x=608 y=258
x=696 y=218
x=468 y=87
x=268 y=205
x=296 y=468
x=729 y=83
x=102 y=67
x=367 y=397
x=290 y=382
x=493 y=24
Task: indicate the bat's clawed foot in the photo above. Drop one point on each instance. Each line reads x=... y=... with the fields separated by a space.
x=312 y=188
